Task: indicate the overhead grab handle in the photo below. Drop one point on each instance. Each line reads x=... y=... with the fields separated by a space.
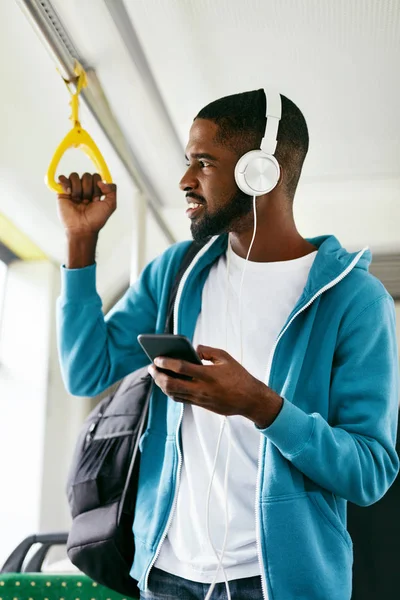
x=76 y=138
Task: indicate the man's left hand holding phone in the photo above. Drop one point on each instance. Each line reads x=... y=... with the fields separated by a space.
x=224 y=387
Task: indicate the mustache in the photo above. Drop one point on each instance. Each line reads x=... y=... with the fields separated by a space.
x=195 y=197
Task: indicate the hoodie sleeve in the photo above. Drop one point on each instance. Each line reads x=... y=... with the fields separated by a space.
x=96 y=351
x=354 y=458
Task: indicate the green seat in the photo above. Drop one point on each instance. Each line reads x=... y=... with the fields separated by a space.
x=44 y=586
x=27 y=582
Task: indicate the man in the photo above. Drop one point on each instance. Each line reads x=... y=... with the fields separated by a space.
x=302 y=365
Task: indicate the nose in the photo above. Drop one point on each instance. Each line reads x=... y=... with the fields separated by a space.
x=188 y=181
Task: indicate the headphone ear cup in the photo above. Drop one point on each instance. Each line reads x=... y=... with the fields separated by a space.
x=257 y=173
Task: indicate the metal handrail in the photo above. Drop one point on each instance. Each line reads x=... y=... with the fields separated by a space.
x=51 y=31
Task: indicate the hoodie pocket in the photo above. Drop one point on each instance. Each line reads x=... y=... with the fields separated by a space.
x=307 y=551
x=331 y=517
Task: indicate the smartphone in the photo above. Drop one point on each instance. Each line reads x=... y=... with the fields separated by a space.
x=173 y=346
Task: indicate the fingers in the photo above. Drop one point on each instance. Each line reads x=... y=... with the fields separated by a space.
x=212 y=354
x=97 y=193
x=65 y=184
x=76 y=193
x=181 y=367
x=87 y=188
x=108 y=189
x=172 y=386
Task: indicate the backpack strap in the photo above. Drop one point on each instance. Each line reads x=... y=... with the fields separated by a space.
x=189 y=255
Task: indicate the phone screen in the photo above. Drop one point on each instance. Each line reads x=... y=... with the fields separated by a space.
x=172 y=346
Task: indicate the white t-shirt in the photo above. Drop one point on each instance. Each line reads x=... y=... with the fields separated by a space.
x=270 y=292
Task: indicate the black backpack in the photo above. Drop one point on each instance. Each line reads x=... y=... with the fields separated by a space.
x=103 y=479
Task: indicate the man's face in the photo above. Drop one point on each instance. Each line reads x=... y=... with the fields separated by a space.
x=209 y=181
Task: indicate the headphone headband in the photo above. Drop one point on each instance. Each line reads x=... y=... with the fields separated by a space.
x=273 y=115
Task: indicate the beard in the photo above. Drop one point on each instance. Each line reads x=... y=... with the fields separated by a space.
x=222 y=220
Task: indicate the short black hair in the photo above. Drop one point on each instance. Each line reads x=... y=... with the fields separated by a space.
x=241 y=125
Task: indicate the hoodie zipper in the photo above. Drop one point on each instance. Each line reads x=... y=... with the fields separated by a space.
x=258 y=485
x=178 y=475
x=267 y=377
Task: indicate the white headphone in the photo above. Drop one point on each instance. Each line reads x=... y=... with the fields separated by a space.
x=257 y=172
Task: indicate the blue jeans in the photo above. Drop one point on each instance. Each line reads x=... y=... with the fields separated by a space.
x=164 y=586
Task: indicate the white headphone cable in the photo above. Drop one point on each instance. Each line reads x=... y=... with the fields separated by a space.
x=225 y=419
x=241 y=283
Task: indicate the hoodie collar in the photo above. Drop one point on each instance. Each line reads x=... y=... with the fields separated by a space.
x=330 y=263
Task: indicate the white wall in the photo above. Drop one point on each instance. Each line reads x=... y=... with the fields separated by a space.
x=358 y=211
x=38 y=419
x=23 y=386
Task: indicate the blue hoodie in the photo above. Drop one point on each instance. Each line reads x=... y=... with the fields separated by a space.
x=335 y=364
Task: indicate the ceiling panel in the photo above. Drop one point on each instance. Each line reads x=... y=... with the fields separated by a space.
x=337 y=59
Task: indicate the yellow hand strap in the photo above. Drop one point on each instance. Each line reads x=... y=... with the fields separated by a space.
x=77 y=138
